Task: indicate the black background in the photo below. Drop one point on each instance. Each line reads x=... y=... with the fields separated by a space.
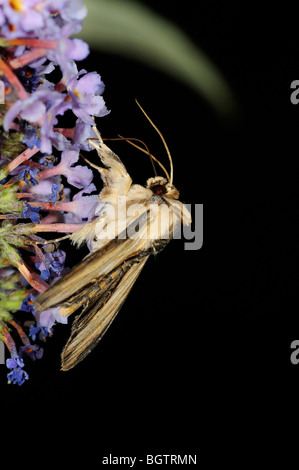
x=198 y=360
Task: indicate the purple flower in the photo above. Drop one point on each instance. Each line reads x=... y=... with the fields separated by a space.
x=82 y=207
x=2 y=18
x=78 y=176
x=17 y=374
x=45 y=104
x=57 y=262
x=84 y=93
x=44 y=273
x=32 y=112
x=28 y=303
x=29 y=78
x=68 y=50
x=41 y=331
x=32 y=18
x=29 y=176
x=31 y=213
x=49 y=317
x=42 y=106
x=41 y=68
x=73 y=10
x=48 y=136
x=24 y=17
x=45 y=322
x=83 y=132
x=68 y=22
x=44 y=187
x=30 y=135
x=57 y=193
x=51 y=264
x=31 y=350
x=32 y=109
x=47 y=160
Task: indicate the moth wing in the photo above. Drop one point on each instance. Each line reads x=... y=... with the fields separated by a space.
x=116 y=179
x=93 y=267
x=90 y=328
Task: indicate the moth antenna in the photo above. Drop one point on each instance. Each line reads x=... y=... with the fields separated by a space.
x=138 y=140
x=163 y=140
x=144 y=151
x=127 y=139
x=152 y=158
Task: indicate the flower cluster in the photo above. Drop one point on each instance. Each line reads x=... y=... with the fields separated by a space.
x=42 y=186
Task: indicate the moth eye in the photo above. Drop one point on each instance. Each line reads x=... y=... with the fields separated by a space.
x=158 y=189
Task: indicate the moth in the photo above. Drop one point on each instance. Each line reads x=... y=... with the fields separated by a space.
x=132 y=223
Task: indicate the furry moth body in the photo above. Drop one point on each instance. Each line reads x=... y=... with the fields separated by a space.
x=100 y=283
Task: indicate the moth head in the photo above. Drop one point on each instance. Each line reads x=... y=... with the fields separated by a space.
x=161 y=187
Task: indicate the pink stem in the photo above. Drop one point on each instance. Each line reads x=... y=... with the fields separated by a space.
x=33 y=195
x=40 y=43
x=22 y=334
x=28 y=58
x=9 y=342
x=36 y=165
x=50 y=206
x=33 y=278
x=28 y=153
x=13 y=80
x=65 y=228
x=60 y=86
x=49 y=172
x=66 y=132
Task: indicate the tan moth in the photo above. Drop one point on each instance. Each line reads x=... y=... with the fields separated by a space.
x=133 y=222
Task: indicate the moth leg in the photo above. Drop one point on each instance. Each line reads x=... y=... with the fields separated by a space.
x=97 y=134
x=102 y=170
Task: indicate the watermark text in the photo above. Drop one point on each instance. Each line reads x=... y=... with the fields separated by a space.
x=153 y=221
